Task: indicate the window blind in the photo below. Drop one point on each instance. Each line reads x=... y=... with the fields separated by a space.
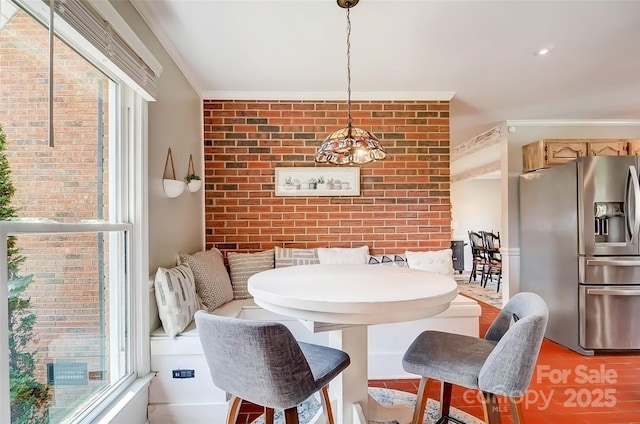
x=99 y=33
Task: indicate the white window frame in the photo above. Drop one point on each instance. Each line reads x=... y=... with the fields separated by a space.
x=128 y=120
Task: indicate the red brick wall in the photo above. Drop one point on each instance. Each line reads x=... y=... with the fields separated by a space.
x=404 y=202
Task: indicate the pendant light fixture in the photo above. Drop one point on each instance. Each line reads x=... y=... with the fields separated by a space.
x=349 y=145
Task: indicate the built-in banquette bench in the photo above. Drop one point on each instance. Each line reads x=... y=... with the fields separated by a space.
x=182 y=391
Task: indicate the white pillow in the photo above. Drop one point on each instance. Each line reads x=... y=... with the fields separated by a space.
x=438 y=261
x=176 y=298
x=343 y=255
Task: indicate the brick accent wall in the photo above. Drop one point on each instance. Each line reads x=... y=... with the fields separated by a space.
x=404 y=201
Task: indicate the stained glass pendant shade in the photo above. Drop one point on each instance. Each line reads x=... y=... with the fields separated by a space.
x=350 y=145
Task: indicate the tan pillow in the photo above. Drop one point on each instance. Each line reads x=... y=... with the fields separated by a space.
x=243 y=266
x=213 y=284
x=292 y=257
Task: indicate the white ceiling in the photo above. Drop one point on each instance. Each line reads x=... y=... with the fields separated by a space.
x=483 y=51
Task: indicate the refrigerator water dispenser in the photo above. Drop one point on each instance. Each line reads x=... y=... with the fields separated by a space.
x=609 y=222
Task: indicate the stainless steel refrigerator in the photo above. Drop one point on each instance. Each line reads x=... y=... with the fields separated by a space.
x=580 y=250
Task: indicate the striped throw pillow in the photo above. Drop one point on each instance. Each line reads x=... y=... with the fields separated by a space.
x=243 y=266
x=176 y=298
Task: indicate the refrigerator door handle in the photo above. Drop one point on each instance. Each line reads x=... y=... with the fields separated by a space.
x=632 y=226
x=611 y=262
x=613 y=292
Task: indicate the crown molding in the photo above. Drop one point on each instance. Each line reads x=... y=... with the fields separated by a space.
x=328 y=95
x=572 y=122
x=149 y=12
x=479 y=142
x=476 y=172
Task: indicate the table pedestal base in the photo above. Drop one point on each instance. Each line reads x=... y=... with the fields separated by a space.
x=350 y=388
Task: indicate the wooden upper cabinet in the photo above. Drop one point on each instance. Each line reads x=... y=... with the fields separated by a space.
x=551 y=152
x=633 y=147
x=607 y=147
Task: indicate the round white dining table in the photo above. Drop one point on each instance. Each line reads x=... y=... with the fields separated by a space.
x=345 y=299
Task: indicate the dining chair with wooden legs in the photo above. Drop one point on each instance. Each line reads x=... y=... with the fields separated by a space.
x=261 y=362
x=501 y=363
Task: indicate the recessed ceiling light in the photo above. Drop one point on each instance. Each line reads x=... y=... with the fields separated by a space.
x=543 y=51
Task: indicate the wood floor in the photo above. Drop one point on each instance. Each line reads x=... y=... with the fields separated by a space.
x=567 y=388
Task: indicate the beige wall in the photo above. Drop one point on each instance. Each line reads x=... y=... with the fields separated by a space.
x=177 y=224
x=475 y=206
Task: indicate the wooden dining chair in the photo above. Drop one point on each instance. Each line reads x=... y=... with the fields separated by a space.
x=478 y=256
x=493 y=258
x=262 y=362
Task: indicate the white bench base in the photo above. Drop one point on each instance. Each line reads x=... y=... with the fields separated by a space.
x=197 y=400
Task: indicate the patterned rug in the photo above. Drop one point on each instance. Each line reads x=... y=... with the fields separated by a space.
x=308 y=408
x=473 y=290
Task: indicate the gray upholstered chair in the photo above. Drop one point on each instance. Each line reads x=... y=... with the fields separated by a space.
x=500 y=364
x=262 y=362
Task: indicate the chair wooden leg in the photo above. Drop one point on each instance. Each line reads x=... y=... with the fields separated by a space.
x=268 y=415
x=490 y=408
x=421 y=401
x=445 y=400
x=291 y=416
x=516 y=410
x=473 y=273
x=234 y=409
x=326 y=405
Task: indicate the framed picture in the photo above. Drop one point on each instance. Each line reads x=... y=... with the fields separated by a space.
x=318 y=181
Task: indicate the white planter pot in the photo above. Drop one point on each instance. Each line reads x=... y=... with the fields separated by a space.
x=173 y=188
x=194 y=185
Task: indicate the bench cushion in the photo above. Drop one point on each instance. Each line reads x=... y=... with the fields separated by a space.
x=247 y=309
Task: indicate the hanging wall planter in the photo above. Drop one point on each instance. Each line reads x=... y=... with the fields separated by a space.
x=194 y=182
x=172 y=187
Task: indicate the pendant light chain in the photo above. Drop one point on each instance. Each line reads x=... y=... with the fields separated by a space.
x=350 y=145
x=348 y=68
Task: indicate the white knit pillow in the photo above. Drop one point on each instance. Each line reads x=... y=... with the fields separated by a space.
x=176 y=298
x=439 y=261
x=343 y=255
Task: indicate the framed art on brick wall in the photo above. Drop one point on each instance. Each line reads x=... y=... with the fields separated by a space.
x=318 y=181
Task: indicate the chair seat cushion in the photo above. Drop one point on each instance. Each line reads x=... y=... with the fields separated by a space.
x=325 y=362
x=449 y=357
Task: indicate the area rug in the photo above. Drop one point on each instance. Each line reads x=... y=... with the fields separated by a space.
x=308 y=408
x=483 y=294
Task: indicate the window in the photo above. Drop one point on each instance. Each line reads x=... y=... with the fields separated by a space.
x=70 y=296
